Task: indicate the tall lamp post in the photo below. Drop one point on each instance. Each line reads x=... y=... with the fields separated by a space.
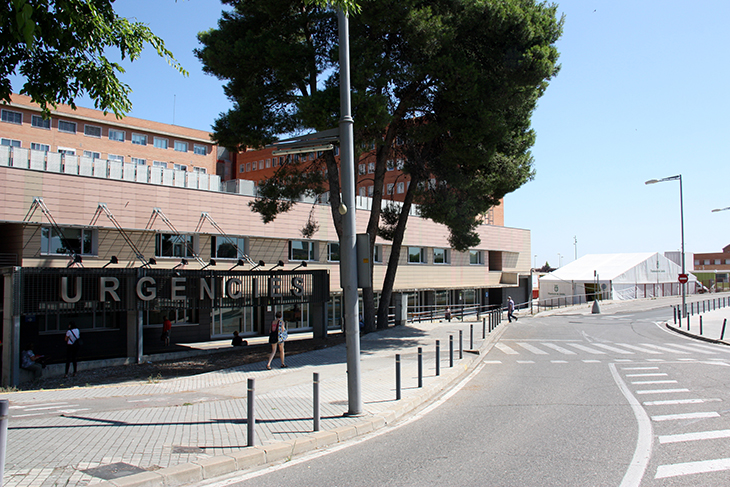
x=678 y=177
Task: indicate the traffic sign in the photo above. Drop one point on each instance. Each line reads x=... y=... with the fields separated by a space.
x=683 y=278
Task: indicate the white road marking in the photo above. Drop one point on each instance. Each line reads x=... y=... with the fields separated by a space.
x=532 y=348
x=39 y=405
x=504 y=348
x=558 y=361
x=673 y=402
x=679 y=417
x=651 y=374
x=612 y=349
x=645 y=436
x=586 y=349
x=640 y=349
x=647 y=382
x=665 y=349
x=639 y=368
x=694 y=349
x=591 y=361
x=661 y=391
x=525 y=362
x=560 y=349
x=697 y=436
x=689 y=468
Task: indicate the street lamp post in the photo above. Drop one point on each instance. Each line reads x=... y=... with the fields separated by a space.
x=678 y=177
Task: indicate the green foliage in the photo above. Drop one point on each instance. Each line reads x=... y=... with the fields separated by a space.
x=59 y=47
x=456 y=80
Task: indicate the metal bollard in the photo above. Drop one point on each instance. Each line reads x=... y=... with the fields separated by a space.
x=251 y=420
x=722 y=334
x=461 y=344
x=484 y=328
x=397 y=377
x=420 y=367
x=438 y=357
x=471 y=337
x=451 y=350
x=315 y=411
x=700 y=325
x=4 y=410
x=675 y=314
x=688 y=326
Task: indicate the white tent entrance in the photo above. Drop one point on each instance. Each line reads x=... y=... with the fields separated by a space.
x=613 y=276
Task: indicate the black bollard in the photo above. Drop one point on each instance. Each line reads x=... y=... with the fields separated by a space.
x=251 y=420
x=700 y=325
x=420 y=367
x=484 y=328
x=451 y=350
x=315 y=406
x=471 y=337
x=461 y=344
x=397 y=377
x=722 y=334
x=438 y=357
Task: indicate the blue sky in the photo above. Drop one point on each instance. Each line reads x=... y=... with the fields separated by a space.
x=641 y=95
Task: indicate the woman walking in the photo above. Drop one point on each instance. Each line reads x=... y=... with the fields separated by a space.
x=277 y=336
x=72 y=346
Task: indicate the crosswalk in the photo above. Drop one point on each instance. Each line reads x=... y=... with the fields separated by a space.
x=577 y=347
x=680 y=415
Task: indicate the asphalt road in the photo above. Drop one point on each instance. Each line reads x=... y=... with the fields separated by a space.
x=582 y=400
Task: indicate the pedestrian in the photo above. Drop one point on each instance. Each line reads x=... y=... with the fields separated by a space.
x=166 y=327
x=447 y=314
x=510 y=309
x=30 y=361
x=277 y=337
x=237 y=340
x=73 y=343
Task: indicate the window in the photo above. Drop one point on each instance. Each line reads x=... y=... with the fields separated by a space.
x=390 y=165
x=248 y=167
x=67 y=151
x=400 y=188
x=12 y=117
x=361 y=169
x=707 y=262
x=40 y=122
x=399 y=164
x=718 y=261
x=371 y=167
x=371 y=189
x=697 y=262
x=43 y=147
x=241 y=168
x=138 y=161
x=201 y=150
x=390 y=189
x=475 y=257
x=416 y=255
x=268 y=163
x=727 y=261
x=69 y=241
x=440 y=256
x=171 y=245
x=159 y=164
x=227 y=247
x=301 y=250
x=253 y=166
x=139 y=139
x=93 y=155
x=115 y=157
x=160 y=143
x=378 y=254
x=200 y=170
x=362 y=191
x=276 y=161
x=337 y=150
x=68 y=127
x=117 y=135
x=180 y=167
x=333 y=252
x=10 y=142
x=92 y=131
x=181 y=146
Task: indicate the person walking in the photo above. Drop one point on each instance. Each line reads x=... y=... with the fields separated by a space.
x=73 y=335
x=277 y=337
x=510 y=309
x=166 y=329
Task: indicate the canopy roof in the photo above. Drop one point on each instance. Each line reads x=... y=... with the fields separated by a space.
x=635 y=267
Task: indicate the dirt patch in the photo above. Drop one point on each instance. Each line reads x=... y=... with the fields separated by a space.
x=184 y=367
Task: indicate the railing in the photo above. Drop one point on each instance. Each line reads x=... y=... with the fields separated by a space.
x=438 y=312
x=565 y=301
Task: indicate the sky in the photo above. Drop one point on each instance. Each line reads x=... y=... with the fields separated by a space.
x=641 y=95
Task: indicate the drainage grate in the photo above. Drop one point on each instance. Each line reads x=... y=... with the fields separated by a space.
x=186 y=449
x=113 y=471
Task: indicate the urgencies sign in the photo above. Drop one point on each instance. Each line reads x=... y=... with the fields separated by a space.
x=61 y=290
x=146 y=288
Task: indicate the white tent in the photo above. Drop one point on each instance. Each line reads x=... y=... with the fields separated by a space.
x=615 y=276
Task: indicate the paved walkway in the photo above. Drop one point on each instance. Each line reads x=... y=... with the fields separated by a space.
x=182 y=431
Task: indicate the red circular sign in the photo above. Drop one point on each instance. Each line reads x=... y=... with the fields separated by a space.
x=683 y=278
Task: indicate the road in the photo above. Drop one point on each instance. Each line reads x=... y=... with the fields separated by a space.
x=582 y=400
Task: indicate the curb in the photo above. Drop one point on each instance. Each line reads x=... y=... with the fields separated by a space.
x=698 y=337
x=261 y=455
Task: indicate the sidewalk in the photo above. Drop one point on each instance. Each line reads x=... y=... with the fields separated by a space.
x=182 y=431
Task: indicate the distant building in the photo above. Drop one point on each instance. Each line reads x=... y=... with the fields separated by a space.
x=713 y=269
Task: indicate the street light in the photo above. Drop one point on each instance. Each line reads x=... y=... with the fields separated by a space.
x=678 y=177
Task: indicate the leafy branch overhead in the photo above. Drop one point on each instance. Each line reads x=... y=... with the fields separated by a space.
x=59 y=47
